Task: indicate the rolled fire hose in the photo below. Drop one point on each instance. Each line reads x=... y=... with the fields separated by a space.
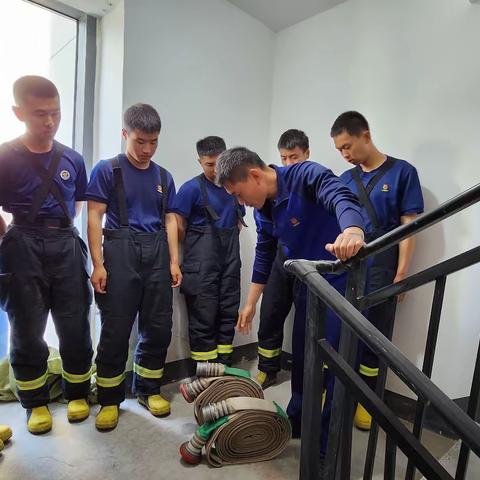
x=239 y=430
x=203 y=391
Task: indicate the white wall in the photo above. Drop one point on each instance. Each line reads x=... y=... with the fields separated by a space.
x=411 y=67
x=206 y=66
x=109 y=83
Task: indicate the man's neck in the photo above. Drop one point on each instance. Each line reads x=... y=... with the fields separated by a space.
x=210 y=179
x=373 y=161
x=35 y=145
x=272 y=184
x=140 y=166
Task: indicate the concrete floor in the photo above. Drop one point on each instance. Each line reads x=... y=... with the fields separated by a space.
x=145 y=447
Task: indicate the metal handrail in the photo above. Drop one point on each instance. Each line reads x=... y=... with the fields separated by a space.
x=464 y=426
x=450 y=207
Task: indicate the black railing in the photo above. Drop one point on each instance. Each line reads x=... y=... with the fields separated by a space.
x=351 y=387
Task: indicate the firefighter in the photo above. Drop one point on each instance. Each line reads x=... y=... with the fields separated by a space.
x=135 y=271
x=389 y=191
x=277 y=298
x=209 y=221
x=314 y=216
x=42 y=257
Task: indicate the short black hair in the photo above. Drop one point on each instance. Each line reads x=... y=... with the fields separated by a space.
x=143 y=117
x=211 y=146
x=233 y=164
x=34 y=85
x=354 y=123
x=293 y=138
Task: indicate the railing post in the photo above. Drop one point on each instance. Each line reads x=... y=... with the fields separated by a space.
x=472 y=411
x=380 y=391
x=310 y=462
x=339 y=448
x=430 y=347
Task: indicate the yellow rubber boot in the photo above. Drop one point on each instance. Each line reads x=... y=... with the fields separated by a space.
x=5 y=433
x=39 y=420
x=156 y=405
x=362 y=420
x=107 y=418
x=265 y=379
x=77 y=410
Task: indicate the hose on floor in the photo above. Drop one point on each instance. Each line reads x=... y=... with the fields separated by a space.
x=234 y=427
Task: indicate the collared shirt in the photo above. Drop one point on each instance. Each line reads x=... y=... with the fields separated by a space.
x=19 y=181
x=190 y=205
x=143 y=191
x=311 y=208
x=397 y=193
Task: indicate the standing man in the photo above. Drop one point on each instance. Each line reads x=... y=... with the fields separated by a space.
x=390 y=193
x=277 y=298
x=209 y=220
x=135 y=272
x=314 y=216
x=42 y=258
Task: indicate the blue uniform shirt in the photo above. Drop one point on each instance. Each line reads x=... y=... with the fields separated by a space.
x=312 y=207
x=189 y=204
x=397 y=193
x=143 y=193
x=19 y=180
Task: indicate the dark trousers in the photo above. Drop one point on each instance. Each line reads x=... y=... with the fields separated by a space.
x=380 y=273
x=44 y=270
x=138 y=282
x=211 y=285
x=332 y=332
x=277 y=301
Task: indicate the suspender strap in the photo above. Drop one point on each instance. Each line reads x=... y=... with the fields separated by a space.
x=163 y=182
x=239 y=212
x=48 y=185
x=364 y=192
x=210 y=213
x=119 y=187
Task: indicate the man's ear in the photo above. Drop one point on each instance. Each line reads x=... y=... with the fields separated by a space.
x=256 y=173
x=307 y=153
x=18 y=113
x=124 y=133
x=367 y=136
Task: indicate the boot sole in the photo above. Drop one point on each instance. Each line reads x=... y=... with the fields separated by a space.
x=40 y=432
x=77 y=419
x=106 y=428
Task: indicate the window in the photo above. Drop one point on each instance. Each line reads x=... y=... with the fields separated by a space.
x=37 y=41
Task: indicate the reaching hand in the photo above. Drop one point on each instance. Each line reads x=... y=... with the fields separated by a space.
x=245 y=317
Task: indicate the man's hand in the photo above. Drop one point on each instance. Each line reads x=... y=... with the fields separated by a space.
x=99 y=279
x=176 y=275
x=398 y=278
x=347 y=243
x=245 y=317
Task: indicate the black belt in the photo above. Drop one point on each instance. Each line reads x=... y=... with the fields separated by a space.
x=46 y=222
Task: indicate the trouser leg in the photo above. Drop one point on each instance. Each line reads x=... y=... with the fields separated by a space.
x=26 y=300
x=277 y=301
x=71 y=299
x=229 y=297
x=118 y=310
x=154 y=326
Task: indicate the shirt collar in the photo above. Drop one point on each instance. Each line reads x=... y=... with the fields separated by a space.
x=282 y=192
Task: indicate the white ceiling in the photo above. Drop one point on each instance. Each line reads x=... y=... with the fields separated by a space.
x=280 y=14
x=275 y=14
